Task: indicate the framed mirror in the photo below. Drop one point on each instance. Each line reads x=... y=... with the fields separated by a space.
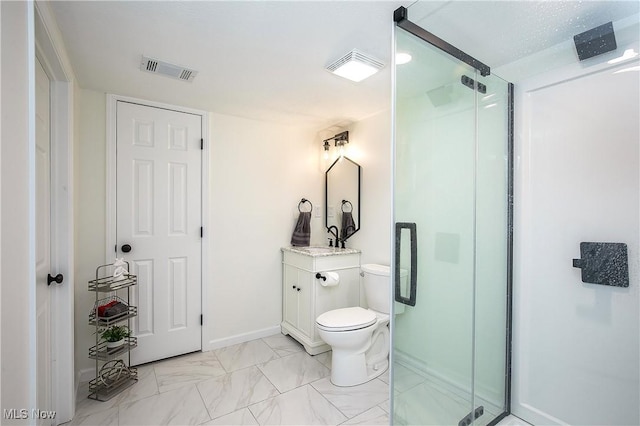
x=342 y=198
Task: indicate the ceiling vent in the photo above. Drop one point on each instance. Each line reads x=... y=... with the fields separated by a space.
x=355 y=66
x=170 y=70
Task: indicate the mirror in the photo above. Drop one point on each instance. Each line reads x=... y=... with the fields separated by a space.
x=342 y=196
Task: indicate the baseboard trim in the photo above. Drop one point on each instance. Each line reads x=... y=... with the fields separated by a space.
x=242 y=338
x=533 y=415
x=84 y=375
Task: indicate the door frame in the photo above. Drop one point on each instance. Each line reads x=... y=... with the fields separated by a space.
x=51 y=53
x=110 y=240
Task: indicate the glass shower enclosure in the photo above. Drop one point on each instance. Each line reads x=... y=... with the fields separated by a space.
x=452 y=214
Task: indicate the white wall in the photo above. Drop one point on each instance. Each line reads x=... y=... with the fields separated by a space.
x=18 y=276
x=576 y=345
x=370 y=146
x=90 y=210
x=259 y=172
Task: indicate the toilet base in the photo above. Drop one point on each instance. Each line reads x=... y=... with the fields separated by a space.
x=349 y=369
x=352 y=368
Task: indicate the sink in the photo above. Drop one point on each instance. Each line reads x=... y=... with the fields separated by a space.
x=321 y=250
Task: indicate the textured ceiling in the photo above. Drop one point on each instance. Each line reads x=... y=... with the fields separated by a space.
x=265 y=60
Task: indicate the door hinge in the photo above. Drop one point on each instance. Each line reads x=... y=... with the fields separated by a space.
x=115 y=248
x=201 y=319
x=201 y=232
x=201 y=143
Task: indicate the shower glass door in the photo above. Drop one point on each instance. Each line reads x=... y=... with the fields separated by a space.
x=451 y=235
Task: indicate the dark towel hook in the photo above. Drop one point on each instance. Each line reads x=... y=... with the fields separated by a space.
x=304 y=200
x=350 y=206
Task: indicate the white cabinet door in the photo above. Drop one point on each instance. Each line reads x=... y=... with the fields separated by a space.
x=306 y=320
x=158 y=195
x=298 y=288
x=290 y=295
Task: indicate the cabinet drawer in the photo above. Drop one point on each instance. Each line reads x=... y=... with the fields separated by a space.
x=298 y=260
x=321 y=263
x=329 y=263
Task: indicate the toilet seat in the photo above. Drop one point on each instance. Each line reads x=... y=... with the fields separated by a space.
x=346 y=319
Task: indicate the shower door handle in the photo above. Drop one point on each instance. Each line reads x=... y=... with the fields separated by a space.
x=411 y=300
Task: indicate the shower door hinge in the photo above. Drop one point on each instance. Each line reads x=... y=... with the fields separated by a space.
x=201 y=232
x=473 y=85
x=201 y=319
x=201 y=144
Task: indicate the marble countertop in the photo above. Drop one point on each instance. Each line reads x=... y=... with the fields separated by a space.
x=317 y=251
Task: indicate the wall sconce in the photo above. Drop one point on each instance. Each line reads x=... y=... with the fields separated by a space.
x=326 y=147
x=340 y=140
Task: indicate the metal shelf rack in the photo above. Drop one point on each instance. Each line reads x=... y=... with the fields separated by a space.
x=116 y=373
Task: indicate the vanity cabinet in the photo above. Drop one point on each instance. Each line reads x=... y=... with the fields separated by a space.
x=304 y=297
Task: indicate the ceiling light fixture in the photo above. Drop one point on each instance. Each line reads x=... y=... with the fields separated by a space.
x=355 y=66
x=402 y=58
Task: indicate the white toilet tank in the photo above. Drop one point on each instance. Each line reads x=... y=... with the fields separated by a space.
x=377 y=281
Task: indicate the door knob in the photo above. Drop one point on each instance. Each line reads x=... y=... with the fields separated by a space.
x=126 y=248
x=58 y=279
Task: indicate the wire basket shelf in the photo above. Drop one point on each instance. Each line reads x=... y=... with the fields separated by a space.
x=106 y=321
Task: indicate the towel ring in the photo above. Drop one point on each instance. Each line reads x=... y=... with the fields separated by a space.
x=304 y=200
x=350 y=206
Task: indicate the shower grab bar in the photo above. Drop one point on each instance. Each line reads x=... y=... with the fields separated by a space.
x=411 y=300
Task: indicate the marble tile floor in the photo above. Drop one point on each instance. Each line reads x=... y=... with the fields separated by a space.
x=269 y=381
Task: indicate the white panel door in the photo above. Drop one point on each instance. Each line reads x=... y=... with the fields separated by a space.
x=43 y=245
x=158 y=214
x=576 y=345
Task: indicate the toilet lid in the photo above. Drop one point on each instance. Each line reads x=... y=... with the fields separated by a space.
x=347 y=319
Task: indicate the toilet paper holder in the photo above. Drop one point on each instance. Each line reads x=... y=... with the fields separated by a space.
x=328 y=278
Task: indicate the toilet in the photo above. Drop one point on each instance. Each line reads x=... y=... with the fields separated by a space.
x=359 y=338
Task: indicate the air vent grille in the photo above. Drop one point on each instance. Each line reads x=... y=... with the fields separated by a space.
x=165 y=68
x=355 y=55
x=152 y=65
